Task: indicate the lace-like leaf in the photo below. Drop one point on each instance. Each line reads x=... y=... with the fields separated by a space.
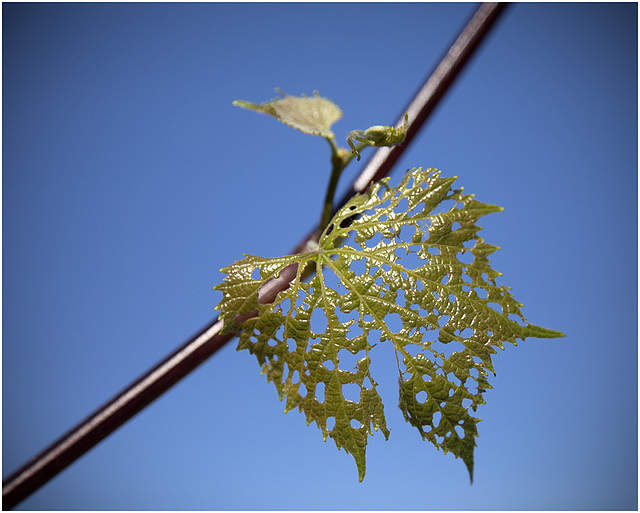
x=312 y=115
x=408 y=263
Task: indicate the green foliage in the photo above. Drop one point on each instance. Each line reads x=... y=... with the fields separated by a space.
x=311 y=115
x=404 y=262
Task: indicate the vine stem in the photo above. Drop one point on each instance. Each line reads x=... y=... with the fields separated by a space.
x=340 y=157
x=106 y=419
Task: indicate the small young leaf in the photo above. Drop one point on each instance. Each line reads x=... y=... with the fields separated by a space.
x=313 y=115
x=406 y=261
x=378 y=135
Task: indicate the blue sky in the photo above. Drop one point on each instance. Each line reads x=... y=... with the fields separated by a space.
x=129 y=180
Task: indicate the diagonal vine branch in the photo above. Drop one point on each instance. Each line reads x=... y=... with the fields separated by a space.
x=106 y=419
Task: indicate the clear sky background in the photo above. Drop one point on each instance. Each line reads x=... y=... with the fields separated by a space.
x=129 y=180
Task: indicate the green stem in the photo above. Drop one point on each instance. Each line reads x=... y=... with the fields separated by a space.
x=340 y=157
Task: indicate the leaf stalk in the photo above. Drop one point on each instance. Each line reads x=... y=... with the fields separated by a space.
x=340 y=157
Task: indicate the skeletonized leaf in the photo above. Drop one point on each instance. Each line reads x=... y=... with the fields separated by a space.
x=312 y=115
x=406 y=263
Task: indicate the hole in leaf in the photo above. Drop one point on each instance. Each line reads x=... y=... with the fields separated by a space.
x=285 y=305
x=411 y=261
x=355 y=424
x=255 y=274
x=436 y=419
x=329 y=365
x=452 y=298
x=319 y=321
x=429 y=336
x=438 y=347
x=374 y=336
x=444 y=319
x=471 y=385
x=451 y=347
x=320 y=392
x=400 y=252
x=466 y=402
x=467 y=333
x=413 y=349
x=354 y=331
x=402 y=205
x=407 y=232
x=421 y=397
x=433 y=250
x=292 y=345
x=400 y=299
x=374 y=241
x=330 y=278
x=517 y=319
x=357 y=266
x=453 y=379
x=347 y=360
x=474 y=373
x=295 y=377
x=393 y=321
x=426 y=378
x=482 y=293
x=331 y=423
x=459 y=431
x=367 y=383
x=272 y=343
x=302 y=390
x=280 y=332
x=351 y=392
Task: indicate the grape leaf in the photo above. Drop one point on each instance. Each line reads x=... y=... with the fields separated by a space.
x=404 y=262
x=311 y=115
